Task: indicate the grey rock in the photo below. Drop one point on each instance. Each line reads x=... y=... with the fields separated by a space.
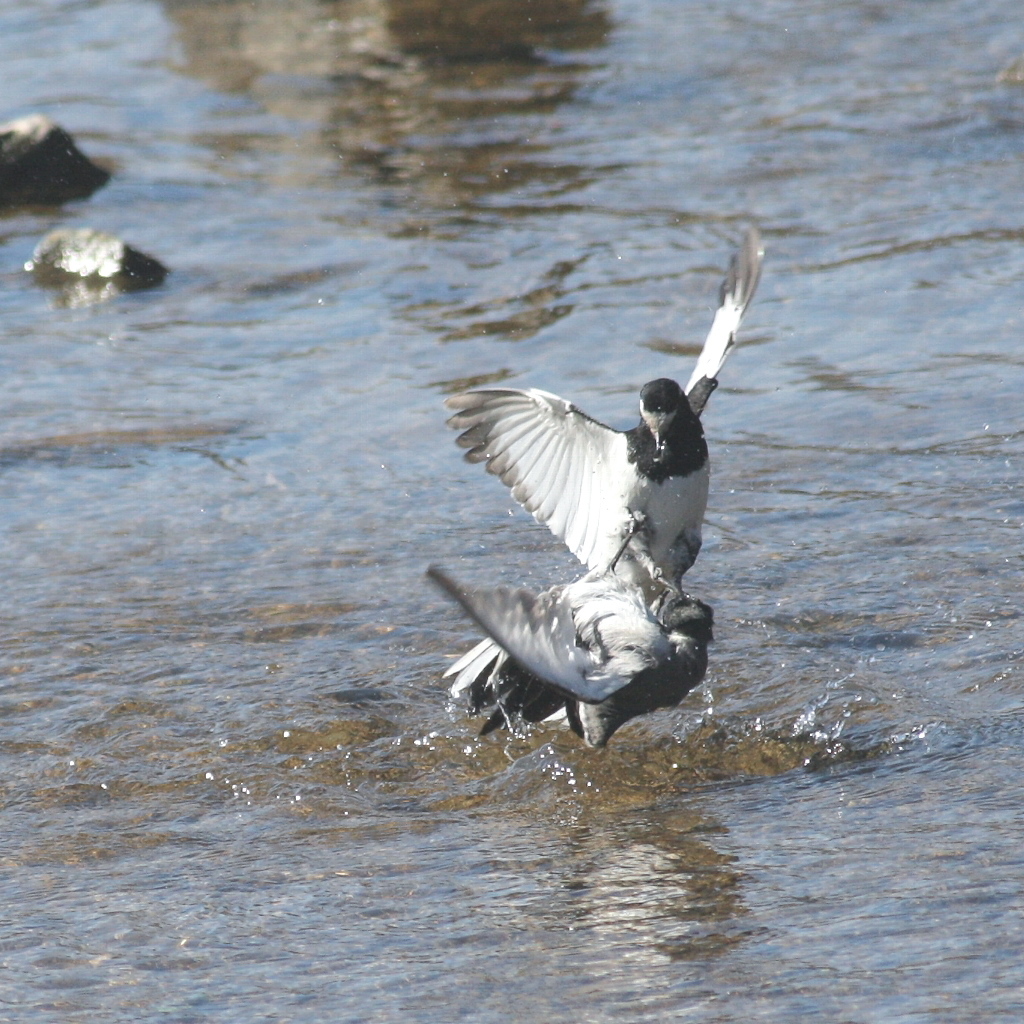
x=90 y=266
x=40 y=163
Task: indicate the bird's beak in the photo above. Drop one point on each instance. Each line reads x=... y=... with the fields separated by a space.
x=659 y=424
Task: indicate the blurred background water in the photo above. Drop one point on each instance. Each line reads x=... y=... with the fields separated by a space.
x=232 y=786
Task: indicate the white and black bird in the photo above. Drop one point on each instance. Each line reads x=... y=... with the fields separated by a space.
x=633 y=500
x=592 y=648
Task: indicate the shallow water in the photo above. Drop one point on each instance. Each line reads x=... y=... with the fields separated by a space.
x=232 y=787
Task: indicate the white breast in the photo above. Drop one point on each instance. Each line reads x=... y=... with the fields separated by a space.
x=676 y=507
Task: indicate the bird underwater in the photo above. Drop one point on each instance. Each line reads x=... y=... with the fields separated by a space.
x=623 y=640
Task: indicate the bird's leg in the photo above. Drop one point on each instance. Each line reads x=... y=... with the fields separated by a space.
x=512 y=719
x=637 y=523
x=639 y=526
x=642 y=553
x=500 y=689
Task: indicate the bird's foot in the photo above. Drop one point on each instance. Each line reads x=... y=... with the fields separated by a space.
x=670 y=586
x=670 y=592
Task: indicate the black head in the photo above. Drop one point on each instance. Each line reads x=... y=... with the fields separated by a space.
x=661 y=397
x=686 y=615
x=660 y=401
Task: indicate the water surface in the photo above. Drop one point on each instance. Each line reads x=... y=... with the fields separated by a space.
x=232 y=786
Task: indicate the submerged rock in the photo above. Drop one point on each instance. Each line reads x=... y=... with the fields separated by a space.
x=40 y=163
x=90 y=266
x=1013 y=73
x=474 y=30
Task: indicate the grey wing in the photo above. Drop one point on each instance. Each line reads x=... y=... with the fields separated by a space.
x=538 y=631
x=737 y=290
x=560 y=464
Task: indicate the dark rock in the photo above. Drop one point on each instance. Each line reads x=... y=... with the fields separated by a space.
x=40 y=163
x=91 y=266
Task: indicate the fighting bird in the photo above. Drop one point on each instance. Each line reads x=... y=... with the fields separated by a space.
x=629 y=501
x=593 y=649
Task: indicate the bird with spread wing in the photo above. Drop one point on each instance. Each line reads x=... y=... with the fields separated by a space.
x=629 y=501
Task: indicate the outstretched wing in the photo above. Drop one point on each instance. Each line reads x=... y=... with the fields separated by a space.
x=737 y=290
x=539 y=632
x=570 y=471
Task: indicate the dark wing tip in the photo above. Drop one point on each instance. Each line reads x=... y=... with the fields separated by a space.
x=445 y=583
x=461 y=420
x=462 y=400
x=477 y=398
x=475 y=435
x=744 y=270
x=751 y=258
x=700 y=393
x=450 y=588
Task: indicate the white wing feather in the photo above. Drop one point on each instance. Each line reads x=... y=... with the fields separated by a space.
x=737 y=290
x=560 y=464
x=472 y=664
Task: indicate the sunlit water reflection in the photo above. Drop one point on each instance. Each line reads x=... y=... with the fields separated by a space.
x=233 y=788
